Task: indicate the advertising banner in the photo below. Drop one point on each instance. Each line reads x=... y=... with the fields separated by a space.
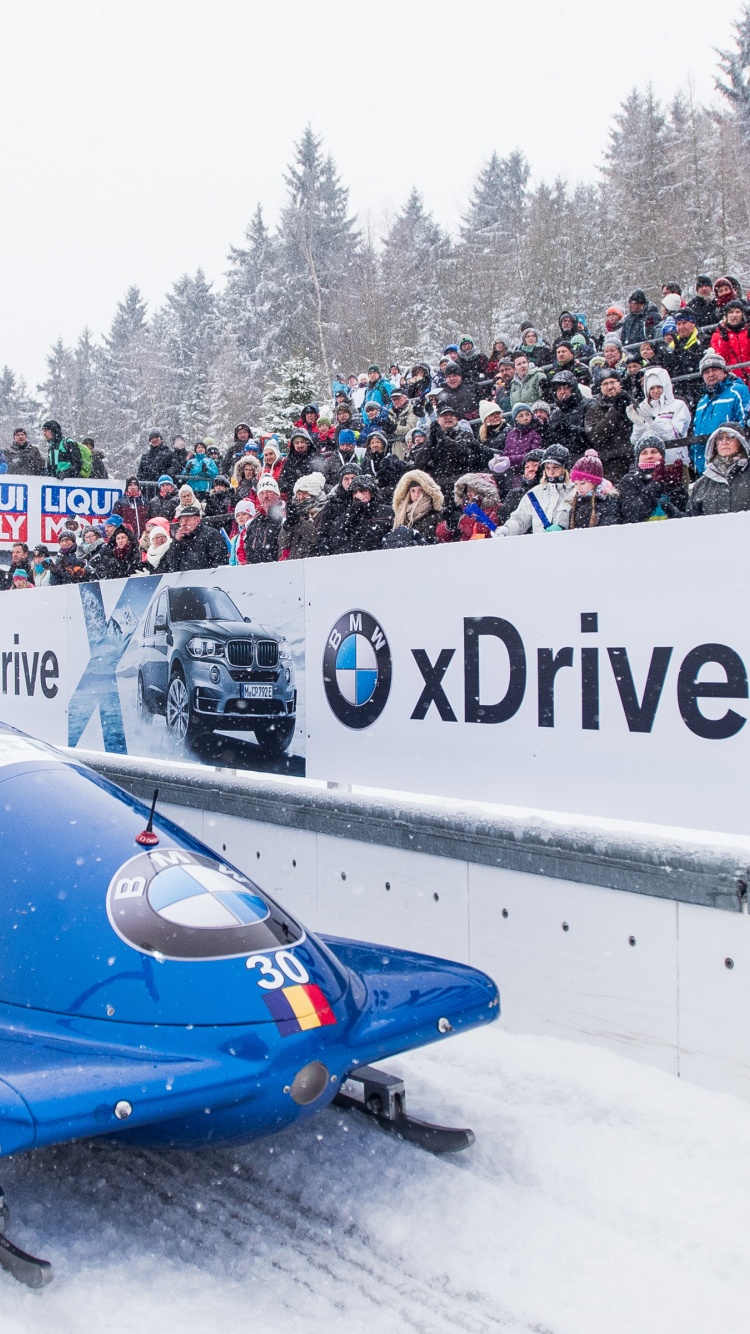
x=34 y=509
x=207 y=667
x=602 y=672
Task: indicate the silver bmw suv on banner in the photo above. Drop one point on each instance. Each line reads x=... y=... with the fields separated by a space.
x=207 y=668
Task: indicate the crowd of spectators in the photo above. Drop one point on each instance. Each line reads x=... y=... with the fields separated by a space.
x=645 y=421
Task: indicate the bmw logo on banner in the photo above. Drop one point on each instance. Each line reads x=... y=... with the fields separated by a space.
x=180 y=905
x=357 y=669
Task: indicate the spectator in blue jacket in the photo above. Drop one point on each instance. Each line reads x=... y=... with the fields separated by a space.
x=725 y=402
x=377 y=387
x=201 y=470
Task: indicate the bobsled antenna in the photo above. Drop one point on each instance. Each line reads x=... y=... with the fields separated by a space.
x=147 y=838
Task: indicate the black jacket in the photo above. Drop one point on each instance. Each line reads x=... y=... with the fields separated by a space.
x=202 y=549
x=262 y=536
x=332 y=522
x=296 y=466
x=154 y=462
x=163 y=507
x=446 y=455
x=705 y=311
x=637 y=328
x=106 y=565
x=566 y=423
x=367 y=523
x=608 y=430
x=641 y=491
x=24 y=461
x=463 y=400
x=593 y=511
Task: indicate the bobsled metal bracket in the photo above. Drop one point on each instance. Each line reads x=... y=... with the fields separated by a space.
x=383 y=1098
x=26 y=1268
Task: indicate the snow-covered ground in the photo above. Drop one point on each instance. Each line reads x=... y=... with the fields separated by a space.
x=601 y=1197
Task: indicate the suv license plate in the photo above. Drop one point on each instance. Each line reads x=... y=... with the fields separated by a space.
x=256 y=692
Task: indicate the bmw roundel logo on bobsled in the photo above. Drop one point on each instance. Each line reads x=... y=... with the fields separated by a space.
x=152 y=992
x=357 y=669
x=178 y=905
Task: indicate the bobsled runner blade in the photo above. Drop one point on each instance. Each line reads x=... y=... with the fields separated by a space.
x=382 y=1097
x=23 y=1267
x=26 y=1268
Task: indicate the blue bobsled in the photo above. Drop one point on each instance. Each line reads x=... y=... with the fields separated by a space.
x=151 y=991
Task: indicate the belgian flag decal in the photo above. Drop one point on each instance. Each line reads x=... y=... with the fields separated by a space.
x=297 y=1008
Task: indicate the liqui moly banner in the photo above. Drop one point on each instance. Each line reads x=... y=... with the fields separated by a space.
x=602 y=672
x=14 y=513
x=34 y=509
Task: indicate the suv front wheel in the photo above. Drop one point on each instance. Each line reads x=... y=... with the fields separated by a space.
x=274 y=738
x=182 y=724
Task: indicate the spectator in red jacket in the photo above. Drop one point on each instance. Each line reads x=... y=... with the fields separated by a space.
x=132 y=507
x=732 y=339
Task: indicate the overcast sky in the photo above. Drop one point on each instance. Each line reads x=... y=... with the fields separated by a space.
x=139 y=136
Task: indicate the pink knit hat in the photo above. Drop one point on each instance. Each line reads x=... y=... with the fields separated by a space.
x=588 y=469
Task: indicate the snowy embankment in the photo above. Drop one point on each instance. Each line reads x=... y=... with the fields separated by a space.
x=601 y=1197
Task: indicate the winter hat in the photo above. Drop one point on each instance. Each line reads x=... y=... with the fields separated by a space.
x=378 y=435
x=565 y=377
x=650 y=442
x=612 y=341
x=302 y=433
x=209 y=442
x=310 y=407
x=155 y=435
x=398 y=392
x=557 y=454
x=672 y=302
x=533 y=456
x=577 y=341
x=486 y=408
x=465 y=338
x=114 y=520
x=373 y=367
x=352 y=468
x=221 y=480
x=615 y=310
x=686 y=316
x=20 y=575
x=638 y=295
x=566 y=342
x=712 y=360
x=165 y=480
x=159 y=523
x=313 y=484
x=540 y=406
x=402 y=537
x=269 y=444
x=519 y=407
x=347 y=437
x=452 y=347
x=268 y=484
x=608 y=374
x=370 y=404
x=588 y=469
x=252 y=447
x=244 y=507
x=735 y=304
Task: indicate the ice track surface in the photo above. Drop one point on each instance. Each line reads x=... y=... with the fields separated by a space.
x=601 y=1197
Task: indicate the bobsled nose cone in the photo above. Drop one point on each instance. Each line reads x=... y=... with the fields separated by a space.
x=407 y=1000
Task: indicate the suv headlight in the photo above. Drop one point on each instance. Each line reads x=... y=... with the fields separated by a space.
x=285 y=652
x=205 y=648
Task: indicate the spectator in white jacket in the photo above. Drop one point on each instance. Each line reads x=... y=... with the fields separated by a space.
x=661 y=414
x=546 y=507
